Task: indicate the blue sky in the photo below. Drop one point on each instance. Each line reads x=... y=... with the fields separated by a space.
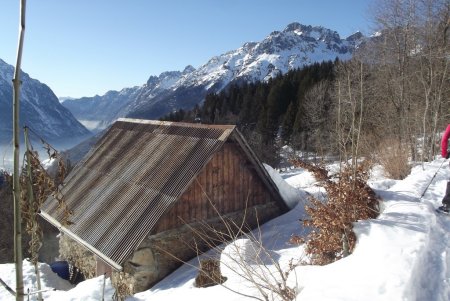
x=87 y=47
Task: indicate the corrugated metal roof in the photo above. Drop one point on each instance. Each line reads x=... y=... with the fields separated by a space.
x=135 y=172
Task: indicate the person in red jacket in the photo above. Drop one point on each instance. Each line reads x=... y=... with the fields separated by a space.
x=445 y=154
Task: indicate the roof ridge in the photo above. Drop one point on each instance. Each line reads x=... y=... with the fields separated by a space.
x=180 y=124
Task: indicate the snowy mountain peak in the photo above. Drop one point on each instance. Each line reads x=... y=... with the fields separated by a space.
x=166 y=79
x=357 y=36
x=301 y=29
x=294 y=47
x=249 y=45
x=152 y=80
x=315 y=32
x=274 y=33
x=188 y=69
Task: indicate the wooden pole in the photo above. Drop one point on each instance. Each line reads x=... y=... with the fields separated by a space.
x=16 y=188
x=103 y=290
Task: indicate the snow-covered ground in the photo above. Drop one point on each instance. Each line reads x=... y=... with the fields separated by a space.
x=404 y=254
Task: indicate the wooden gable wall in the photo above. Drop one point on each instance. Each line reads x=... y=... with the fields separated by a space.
x=229 y=181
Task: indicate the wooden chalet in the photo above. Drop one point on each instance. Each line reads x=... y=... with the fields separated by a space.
x=144 y=188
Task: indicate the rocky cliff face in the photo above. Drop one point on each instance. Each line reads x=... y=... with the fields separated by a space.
x=39 y=109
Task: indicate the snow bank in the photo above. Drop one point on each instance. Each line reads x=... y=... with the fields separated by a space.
x=89 y=290
x=291 y=195
x=238 y=255
x=49 y=280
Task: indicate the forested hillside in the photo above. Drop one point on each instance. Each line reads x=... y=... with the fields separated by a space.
x=268 y=112
x=393 y=95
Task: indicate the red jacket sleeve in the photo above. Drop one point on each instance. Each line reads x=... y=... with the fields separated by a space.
x=444 y=142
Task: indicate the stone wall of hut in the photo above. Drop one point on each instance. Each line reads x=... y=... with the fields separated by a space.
x=161 y=253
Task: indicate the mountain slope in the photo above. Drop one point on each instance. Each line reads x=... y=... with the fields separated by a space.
x=39 y=109
x=296 y=46
x=96 y=112
x=404 y=254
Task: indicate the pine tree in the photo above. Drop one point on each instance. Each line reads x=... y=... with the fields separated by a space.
x=288 y=122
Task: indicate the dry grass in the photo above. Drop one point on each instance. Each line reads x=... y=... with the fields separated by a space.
x=209 y=273
x=123 y=284
x=393 y=156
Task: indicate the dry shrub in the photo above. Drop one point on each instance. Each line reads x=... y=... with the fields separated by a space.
x=124 y=284
x=296 y=240
x=77 y=255
x=209 y=273
x=36 y=185
x=393 y=156
x=349 y=199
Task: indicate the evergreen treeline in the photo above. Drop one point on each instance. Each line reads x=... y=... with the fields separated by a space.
x=270 y=113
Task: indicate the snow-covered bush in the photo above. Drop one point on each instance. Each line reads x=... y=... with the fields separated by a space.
x=248 y=258
x=238 y=255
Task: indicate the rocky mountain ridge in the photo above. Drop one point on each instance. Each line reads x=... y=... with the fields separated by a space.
x=296 y=46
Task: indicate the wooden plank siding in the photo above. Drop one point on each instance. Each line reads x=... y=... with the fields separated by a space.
x=230 y=183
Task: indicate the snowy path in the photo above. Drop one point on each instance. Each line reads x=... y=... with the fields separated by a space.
x=402 y=255
x=431 y=274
